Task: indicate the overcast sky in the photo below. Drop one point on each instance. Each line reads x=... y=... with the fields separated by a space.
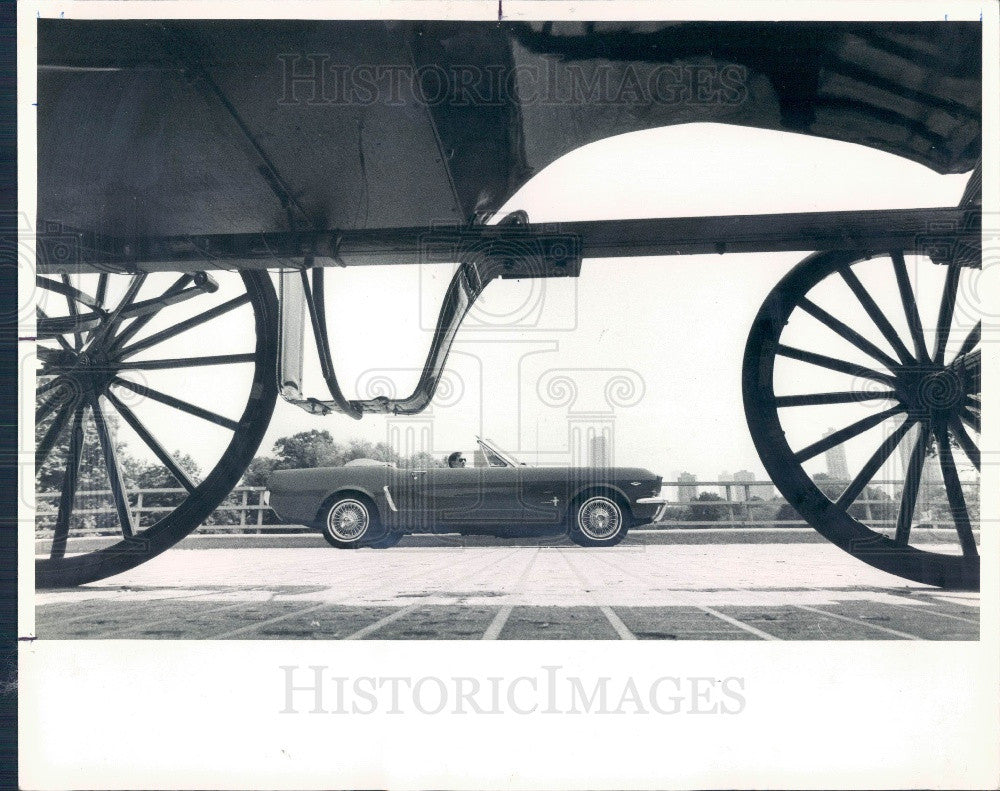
x=674 y=326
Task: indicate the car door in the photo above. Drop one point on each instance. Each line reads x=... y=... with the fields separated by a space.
x=479 y=497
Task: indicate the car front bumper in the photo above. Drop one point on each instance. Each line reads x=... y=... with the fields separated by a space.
x=658 y=505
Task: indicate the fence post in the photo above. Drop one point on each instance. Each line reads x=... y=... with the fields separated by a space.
x=138 y=507
x=260 y=511
x=243 y=509
x=729 y=507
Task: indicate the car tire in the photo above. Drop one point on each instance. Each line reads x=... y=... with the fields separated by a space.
x=599 y=520
x=387 y=540
x=351 y=522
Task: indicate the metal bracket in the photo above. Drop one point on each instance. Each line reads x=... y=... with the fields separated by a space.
x=302 y=292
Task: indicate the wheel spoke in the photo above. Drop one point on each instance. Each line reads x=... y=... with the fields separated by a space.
x=847 y=333
x=956 y=498
x=910 y=306
x=946 y=312
x=70 y=479
x=846 y=397
x=141 y=321
x=102 y=290
x=177 y=403
x=165 y=458
x=833 y=364
x=73 y=312
x=970 y=418
x=911 y=486
x=49 y=404
x=68 y=290
x=874 y=464
x=969 y=447
x=187 y=362
x=43 y=448
x=115 y=479
x=44 y=333
x=52 y=384
x=110 y=323
x=971 y=340
x=845 y=434
x=876 y=315
x=183 y=326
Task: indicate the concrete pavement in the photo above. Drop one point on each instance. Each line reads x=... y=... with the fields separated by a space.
x=800 y=591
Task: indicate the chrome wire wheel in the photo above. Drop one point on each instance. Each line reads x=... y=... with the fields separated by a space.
x=165 y=378
x=891 y=409
x=599 y=518
x=348 y=520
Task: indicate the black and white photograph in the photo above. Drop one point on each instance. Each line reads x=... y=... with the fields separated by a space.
x=386 y=331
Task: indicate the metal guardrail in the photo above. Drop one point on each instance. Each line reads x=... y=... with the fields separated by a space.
x=741 y=508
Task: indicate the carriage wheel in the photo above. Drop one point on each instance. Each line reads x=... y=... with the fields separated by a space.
x=122 y=388
x=909 y=410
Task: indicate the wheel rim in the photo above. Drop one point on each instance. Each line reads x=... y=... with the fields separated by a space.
x=599 y=518
x=348 y=520
x=101 y=374
x=915 y=398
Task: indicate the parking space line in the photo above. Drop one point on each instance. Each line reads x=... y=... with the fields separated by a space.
x=497 y=624
x=930 y=611
x=323 y=605
x=737 y=623
x=124 y=634
x=857 y=621
x=374 y=627
x=500 y=619
x=687 y=599
x=617 y=623
x=125 y=604
x=623 y=632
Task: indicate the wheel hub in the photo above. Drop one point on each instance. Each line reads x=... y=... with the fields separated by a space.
x=90 y=371
x=940 y=389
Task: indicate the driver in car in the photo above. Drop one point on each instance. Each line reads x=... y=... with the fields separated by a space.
x=456 y=459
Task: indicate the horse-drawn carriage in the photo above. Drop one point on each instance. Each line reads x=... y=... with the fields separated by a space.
x=223 y=157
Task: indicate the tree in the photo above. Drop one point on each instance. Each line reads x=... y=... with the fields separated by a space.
x=311 y=448
x=154 y=475
x=422 y=461
x=257 y=471
x=702 y=511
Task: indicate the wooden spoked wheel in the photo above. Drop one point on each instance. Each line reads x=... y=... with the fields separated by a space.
x=166 y=372
x=840 y=372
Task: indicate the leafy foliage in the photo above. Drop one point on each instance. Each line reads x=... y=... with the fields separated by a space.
x=315 y=448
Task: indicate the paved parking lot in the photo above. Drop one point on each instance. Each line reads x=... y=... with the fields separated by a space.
x=807 y=591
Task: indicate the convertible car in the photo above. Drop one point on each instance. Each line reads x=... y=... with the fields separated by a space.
x=368 y=503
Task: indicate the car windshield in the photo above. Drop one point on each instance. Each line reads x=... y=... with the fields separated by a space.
x=496 y=457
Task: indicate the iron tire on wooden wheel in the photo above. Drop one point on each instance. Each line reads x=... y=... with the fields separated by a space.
x=91 y=392
x=929 y=391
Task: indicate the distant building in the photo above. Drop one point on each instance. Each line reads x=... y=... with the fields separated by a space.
x=688 y=489
x=740 y=492
x=599 y=451
x=836 y=461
